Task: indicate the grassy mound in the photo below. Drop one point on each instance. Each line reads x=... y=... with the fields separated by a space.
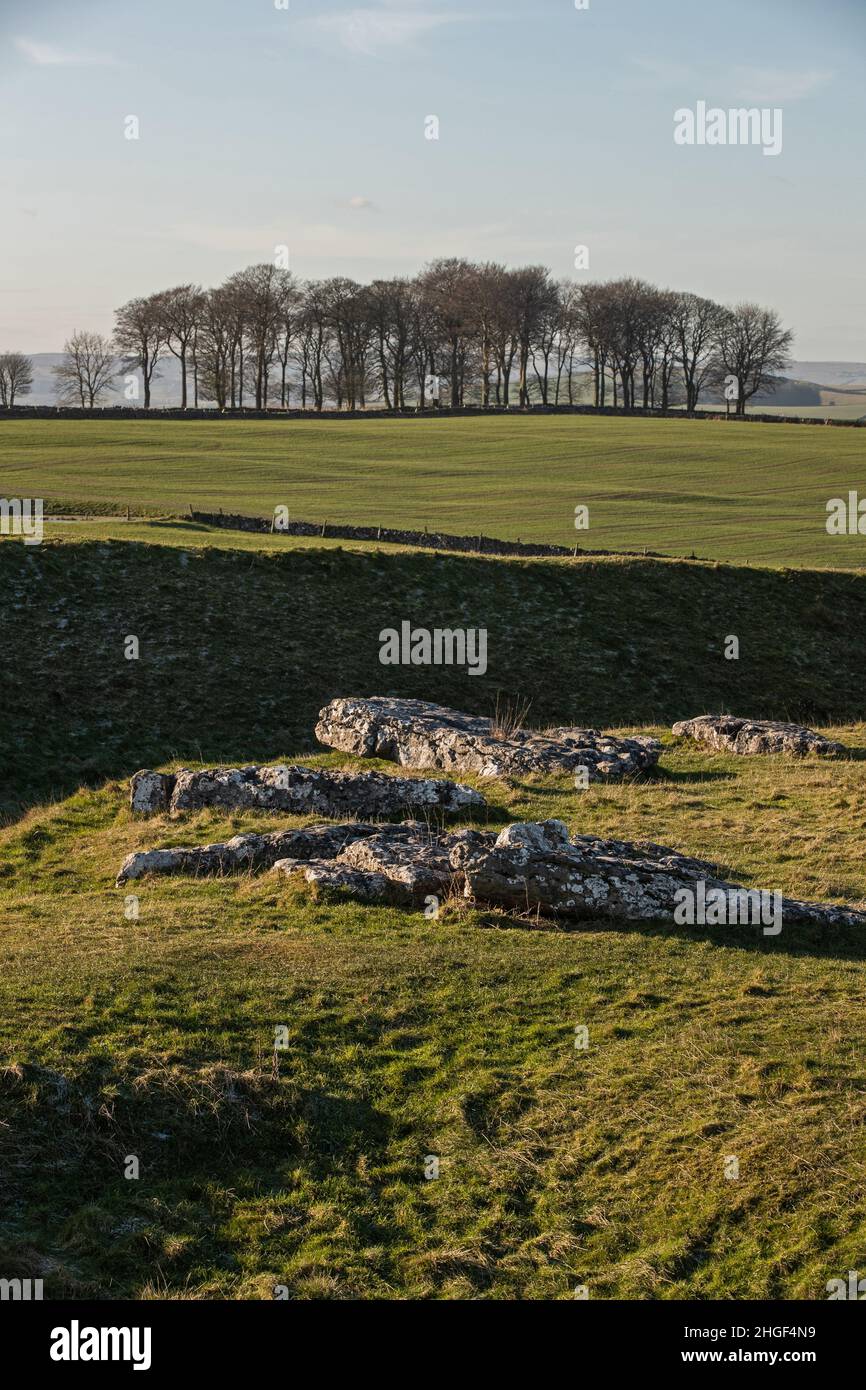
x=454 y=1038
x=240 y=647
x=152 y=1036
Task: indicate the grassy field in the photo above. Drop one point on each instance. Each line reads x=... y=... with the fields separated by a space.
x=735 y=492
x=154 y=1037
x=453 y=1038
x=242 y=643
x=835 y=405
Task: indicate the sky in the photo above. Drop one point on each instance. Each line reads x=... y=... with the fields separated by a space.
x=265 y=124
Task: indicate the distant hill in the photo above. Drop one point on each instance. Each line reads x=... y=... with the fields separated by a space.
x=829 y=373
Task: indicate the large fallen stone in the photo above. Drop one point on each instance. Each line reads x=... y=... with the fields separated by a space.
x=414 y=733
x=397 y=864
x=298 y=790
x=529 y=867
x=729 y=734
x=244 y=852
x=535 y=867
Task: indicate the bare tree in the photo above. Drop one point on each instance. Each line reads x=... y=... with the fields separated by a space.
x=667 y=341
x=16 y=377
x=424 y=343
x=391 y=306
x=697 y=323
x=626 y=331
x=140 y=334
x=566 y=334
x=87 y=370
x=592 y=314
x=349 y=321
x=182 y=309
x=752 y=346
x=261 y=293
x=214 y=346
x=544 y=333
x=504 y=333
x=287 y=327
x=447 y=287
x=653 y=312
x=487 y=293
x=312 y=335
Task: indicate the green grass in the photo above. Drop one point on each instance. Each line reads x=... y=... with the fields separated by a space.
x=242 y=643
x=154 y=1037
x=453 y=1038
x=742 y=493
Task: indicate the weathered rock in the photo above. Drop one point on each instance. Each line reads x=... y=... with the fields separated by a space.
x=150 y=792
x=729 y=734
x=299 y=790
x=415 y=733
x=536 y=866
x=530 y=866
x=245 y=852
x=397 y=863
x=329 y=873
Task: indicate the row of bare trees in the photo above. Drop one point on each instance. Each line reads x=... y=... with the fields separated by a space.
x=459 y=332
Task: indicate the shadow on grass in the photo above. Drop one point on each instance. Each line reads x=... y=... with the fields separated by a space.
x=684 y=778
x=241 y=650
x=658 y=774
x=205 y=1137
x=840 y=943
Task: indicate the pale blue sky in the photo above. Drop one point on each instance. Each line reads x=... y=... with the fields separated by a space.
x=262 y=126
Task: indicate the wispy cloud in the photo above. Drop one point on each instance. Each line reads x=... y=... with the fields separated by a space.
x=777 y=84
x=48 y=55
x=741 y=83
x=365 y=240
x=373 y=30
x=657 y=72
